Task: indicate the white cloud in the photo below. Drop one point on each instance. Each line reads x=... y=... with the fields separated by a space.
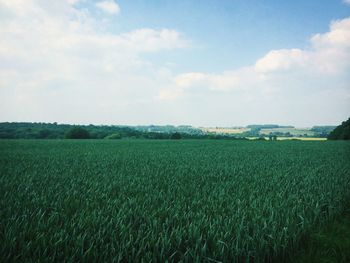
x=72 y=2
x=284 y=86
x=329 y=54
x=149 y=40
x=187 y=79
x=108 y=6
x=346 y=2
x=226 y=81
x=56 y=59
x=337 y=37
x=282 y=60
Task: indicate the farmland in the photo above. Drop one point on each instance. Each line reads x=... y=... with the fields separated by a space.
x=291 y=131
x=290 y=138
x=189 y=200
x=219 y=130
x=287 y=132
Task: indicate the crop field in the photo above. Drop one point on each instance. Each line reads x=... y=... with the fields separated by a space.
x=220 y=130
x=301 y=138
x=292 y=131
x=162 y=200
x=290 y=138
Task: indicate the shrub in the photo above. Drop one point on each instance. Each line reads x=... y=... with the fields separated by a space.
x=77 y=133
x=176 y=136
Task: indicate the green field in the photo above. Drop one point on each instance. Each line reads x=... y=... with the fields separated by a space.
x=189 y=200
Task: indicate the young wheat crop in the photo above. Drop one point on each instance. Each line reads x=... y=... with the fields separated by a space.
x=189 y=200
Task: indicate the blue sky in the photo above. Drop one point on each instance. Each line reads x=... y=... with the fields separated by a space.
x=204 y=63
x=231 y=33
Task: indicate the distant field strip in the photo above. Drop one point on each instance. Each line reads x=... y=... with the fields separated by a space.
x=291 y=138
x=292 y=131
x=186 y=200
x=302 y=138
x=225 y=130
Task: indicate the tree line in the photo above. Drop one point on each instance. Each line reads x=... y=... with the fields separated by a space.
x=38 y=130
x=342 y=132
x=27 y=130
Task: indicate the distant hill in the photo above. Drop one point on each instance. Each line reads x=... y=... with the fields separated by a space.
x=342 y=132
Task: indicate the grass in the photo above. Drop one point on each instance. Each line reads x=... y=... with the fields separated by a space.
x=328 y=244
x=186 y=200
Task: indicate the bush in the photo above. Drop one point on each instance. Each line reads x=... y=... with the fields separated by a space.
x=77 y=133
x=176 y=136
x=43 y=134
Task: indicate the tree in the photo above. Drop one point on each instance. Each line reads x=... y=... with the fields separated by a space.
x=341 y=132
x=77 y=133
x=273 y=137
x=176 y=136
x=45 y=133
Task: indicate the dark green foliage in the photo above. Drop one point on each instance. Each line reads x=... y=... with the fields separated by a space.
x=329 y=244
x=158 y=201
x=22 y=130
x=342 y=132
x=273 y=137
x=156 y=135
x=57 y=131
x=176 y=136
x=77 y=133
x=44 y=134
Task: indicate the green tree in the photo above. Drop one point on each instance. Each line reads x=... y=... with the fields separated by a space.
x=176 y=136
x=77 y=133
x=45 y=133
x=341 y=132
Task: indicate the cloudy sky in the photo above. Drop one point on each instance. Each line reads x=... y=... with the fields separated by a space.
x=203 y=63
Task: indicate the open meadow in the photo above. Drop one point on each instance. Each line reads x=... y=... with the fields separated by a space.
x=179 y=200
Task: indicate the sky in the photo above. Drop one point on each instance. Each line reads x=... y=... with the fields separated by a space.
x=202 y=63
